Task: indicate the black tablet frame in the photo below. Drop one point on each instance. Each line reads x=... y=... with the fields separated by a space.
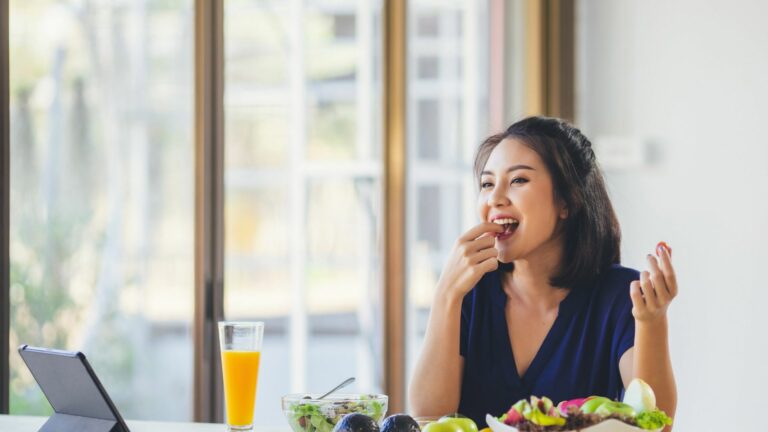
x=75 y=416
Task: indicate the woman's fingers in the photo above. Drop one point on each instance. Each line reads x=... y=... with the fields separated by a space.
x=484 y=242
x=485 y=254
x=469 y=249
x=478 y=238
x=665 y=264
x=638 y=303
x=649 y=294
x=656 y=288
x=479 y=230
x=659 y=282
x=489 y=265
x=472 y=256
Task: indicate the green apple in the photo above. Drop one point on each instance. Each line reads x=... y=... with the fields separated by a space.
x=592 y=403
x=438 y=426
x=614 y=407
x=466 y=424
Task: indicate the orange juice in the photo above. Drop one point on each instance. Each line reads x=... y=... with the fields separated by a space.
x=241 y=373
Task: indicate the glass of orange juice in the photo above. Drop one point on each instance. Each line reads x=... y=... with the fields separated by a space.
x=240 y=355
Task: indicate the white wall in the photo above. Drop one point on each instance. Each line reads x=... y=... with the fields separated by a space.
x=691 y=78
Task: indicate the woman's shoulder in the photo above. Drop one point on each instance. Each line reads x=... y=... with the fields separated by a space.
x=617 y=276
x=611 y=291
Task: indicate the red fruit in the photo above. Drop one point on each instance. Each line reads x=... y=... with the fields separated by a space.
x=513 y=417
x=577 y=402
x=564 y=405
x=663 y=245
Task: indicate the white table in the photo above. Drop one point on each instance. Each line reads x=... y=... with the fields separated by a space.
x=15 y=423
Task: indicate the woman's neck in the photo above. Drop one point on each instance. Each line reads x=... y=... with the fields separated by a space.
x=529 y=282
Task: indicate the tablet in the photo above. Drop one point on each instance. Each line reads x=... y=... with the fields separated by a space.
x=69 y=383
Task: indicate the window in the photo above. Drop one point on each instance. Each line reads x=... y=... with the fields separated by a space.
x=447 y=118
x=101 y=231
x=303 y=191
x=103 y=188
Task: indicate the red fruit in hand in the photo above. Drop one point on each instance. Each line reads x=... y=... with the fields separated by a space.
x=663 y=245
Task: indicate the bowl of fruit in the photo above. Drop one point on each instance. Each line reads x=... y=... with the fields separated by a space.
x=308 y=413
x=636 y=413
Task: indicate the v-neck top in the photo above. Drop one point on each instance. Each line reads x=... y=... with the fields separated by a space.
x=578 y=358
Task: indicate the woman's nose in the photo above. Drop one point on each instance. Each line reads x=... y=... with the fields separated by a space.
x=498 y=197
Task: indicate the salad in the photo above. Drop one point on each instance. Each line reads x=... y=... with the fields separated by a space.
x=637 y=411
x=305 y=414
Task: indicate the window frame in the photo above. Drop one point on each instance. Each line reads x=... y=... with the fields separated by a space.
x=5 y=190
x=208 y=393
x=394 y=236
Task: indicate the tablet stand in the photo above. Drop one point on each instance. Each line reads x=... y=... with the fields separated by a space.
x=64 y=422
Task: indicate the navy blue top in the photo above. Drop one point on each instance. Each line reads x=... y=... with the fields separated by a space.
x=579 y=356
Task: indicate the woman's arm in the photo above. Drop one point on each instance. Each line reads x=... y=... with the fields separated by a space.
x=650 y=359
x=436 y=383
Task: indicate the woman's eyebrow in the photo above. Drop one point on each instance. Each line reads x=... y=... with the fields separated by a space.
x=510 y=169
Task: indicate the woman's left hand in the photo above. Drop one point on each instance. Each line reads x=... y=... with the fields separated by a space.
x=653 y=293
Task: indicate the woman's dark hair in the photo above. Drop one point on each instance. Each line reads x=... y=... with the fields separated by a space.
x=591 y=233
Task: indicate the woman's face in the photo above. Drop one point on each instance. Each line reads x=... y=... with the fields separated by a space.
x=516 y=190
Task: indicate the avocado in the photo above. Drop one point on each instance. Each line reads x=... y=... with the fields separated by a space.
x=356 y=422
x=400 y=423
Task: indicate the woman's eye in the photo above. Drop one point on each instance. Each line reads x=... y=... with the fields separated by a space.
x=486 y=185
x=519 y=180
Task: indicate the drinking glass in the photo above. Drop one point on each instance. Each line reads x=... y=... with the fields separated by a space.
x=240 y=344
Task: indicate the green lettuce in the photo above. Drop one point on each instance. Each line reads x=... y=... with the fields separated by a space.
x=652 y=420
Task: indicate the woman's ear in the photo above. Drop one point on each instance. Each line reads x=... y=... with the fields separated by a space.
x=564 y=212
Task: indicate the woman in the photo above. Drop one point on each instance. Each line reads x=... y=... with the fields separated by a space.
x=533 y=300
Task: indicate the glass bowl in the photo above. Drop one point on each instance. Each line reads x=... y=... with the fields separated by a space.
x=305 y=413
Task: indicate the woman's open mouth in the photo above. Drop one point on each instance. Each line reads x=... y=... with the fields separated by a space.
x=510 y=226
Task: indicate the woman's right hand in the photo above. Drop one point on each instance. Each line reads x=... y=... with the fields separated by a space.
x=474 y=254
